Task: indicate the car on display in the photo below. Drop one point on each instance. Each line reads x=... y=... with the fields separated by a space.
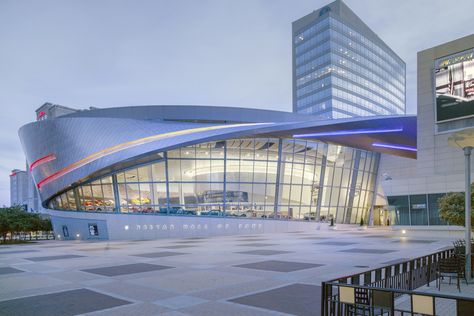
x=309 y=216
x=176 y=210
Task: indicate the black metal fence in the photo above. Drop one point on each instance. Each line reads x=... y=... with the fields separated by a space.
x=379 y=301
x=373 y=292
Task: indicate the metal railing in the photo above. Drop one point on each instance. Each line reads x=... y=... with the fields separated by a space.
x=380 y=301
x=386 y=283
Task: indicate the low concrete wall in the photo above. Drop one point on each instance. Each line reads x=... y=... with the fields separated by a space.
x=142 y=226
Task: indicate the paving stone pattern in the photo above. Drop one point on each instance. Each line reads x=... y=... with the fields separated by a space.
x=160 y=254
x=126 y=269
x=9 y=270
x=296 y=299
x=60 y=304
x=335 y=243
x=49 y=258
x=263 y=252
x=279 y=266
x=213 y=276
x=368 y=251
x=256 y=245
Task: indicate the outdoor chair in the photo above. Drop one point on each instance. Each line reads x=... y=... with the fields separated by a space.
x=452 y=267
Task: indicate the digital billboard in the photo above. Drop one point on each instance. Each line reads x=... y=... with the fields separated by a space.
x=454 y=84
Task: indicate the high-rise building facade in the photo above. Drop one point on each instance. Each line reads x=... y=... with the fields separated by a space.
x=341 y=68
x=19 y=188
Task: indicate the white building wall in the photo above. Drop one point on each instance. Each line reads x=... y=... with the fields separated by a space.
x=439 y=167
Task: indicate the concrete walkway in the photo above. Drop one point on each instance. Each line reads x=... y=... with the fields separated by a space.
x=272 y=274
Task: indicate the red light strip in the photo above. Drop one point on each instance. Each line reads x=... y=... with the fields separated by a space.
x=137 y=142
x=43 y=160
x=13 y=174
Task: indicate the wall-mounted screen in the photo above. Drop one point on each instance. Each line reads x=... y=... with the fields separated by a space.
x=454 y=84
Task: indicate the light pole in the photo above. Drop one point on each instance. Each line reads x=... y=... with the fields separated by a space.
x=467 y=202
x=465 y=139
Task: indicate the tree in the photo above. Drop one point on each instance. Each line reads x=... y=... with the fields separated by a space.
x=451 y=207
x=15 y=221
x=46 y=226
x=4 y=225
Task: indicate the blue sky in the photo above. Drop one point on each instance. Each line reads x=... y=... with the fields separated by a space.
x=82 y=53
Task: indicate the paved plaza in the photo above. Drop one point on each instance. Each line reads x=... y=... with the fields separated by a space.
x=265 y=274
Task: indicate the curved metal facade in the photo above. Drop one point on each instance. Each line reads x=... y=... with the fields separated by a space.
x=69 y=154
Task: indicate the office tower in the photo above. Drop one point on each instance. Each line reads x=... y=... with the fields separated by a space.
x=341 y=68
x=19 y=188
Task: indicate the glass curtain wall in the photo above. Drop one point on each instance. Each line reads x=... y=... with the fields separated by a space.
x=420 y=209
x=253 y=178
x=340 y=73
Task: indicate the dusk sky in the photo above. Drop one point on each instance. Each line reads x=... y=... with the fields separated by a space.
x=223 y=52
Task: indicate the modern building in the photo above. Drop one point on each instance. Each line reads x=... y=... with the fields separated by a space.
x=50 y=110
x=19 y=188
x=155 y=171
x=23 y=190
x=341 y=68
x=445 y=105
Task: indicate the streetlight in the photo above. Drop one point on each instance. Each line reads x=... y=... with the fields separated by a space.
x=465 y=140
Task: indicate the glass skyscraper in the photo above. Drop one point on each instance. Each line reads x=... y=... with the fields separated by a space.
x=341 y=68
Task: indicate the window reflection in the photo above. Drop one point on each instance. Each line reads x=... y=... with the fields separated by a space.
x=240 y=178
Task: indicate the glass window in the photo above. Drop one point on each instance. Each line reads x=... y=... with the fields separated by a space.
x=233 y=171
x=145 y=193
x=188 y=152
x=106 y=179
x=188 y=170
x=174 y=170
x=88 y=198
x=418 y=208
x=120 y=177
x=399 y=206
x=133 y=197
x=196 y=175
x=246 y=170
x=217 y=170
x=144 y=174
x=108 y=201
x=203 y=170
x=433 y=207
x=174 y=153
x=64 y=202
x=123 y=198
x=159 y=194
x=159 y=172
x=131 y=175
x=98 y=197
x=72 y=200
x=260 y=171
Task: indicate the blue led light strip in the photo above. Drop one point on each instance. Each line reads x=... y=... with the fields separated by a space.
x=350 y=132
x=393 y=146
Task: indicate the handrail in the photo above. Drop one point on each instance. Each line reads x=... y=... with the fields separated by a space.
x=399 y=278
x=438 y=295
x=371 y=301
x=449 y=251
